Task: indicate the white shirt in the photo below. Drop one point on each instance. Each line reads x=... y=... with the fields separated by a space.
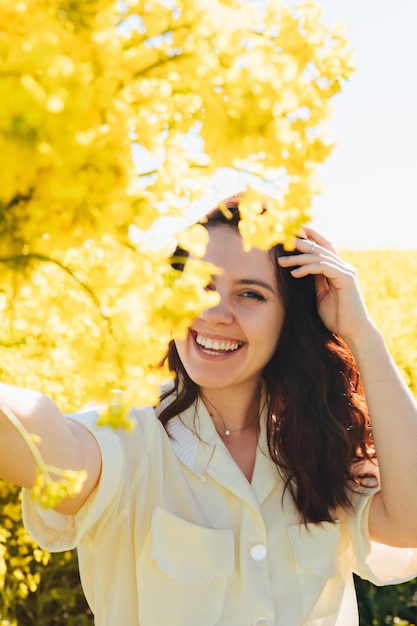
x=175 y=534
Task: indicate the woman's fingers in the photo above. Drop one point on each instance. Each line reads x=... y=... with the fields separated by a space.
x=313 y=259
x=319 y=258
x=313 y=235
x=339 y=301
x=333 y=269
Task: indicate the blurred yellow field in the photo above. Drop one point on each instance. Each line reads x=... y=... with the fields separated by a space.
x=389 y=285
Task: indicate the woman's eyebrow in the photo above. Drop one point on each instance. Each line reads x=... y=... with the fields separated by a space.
x=255 y=281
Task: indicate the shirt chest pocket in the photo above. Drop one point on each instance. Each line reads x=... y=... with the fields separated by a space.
x=183 y=572
x=318 y=551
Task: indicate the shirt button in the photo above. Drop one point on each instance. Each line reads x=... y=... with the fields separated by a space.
x=258 y=553
x=261 y=621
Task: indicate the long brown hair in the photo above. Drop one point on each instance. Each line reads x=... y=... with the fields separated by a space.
x=317 y=427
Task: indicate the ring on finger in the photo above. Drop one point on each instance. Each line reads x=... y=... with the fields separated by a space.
x=312 y=247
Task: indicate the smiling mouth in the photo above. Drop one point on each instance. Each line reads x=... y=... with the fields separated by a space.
x=216 y=346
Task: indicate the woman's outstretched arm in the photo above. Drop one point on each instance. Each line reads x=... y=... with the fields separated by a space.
x=392 y=408
x=62 y=443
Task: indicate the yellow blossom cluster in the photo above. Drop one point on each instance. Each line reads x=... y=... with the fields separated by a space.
x=84 y=85
x=79 y=87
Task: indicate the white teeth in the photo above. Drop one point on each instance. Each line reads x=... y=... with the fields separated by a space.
x=215 y=344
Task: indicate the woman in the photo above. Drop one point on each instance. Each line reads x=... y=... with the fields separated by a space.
x=249 y=494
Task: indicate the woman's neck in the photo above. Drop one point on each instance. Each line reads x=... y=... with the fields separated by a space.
x=232 y=411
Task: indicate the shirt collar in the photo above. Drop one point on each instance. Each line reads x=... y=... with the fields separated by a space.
x=199 y=447
x=193 y=437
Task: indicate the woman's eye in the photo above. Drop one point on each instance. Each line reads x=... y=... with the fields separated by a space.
x=253 y=295
x=210 y=287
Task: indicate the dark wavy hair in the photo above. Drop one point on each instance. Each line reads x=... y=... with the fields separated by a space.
x=318 y=429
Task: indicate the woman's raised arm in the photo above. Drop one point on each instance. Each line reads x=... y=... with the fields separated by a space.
x=392 y=408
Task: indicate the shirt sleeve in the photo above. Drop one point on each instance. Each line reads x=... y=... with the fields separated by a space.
x=56 y=532
x=378 y=563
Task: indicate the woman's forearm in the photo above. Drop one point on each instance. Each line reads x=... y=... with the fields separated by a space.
x=393 y=414
x=58 y=442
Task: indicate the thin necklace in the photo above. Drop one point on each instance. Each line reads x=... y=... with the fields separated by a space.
x=228 y=431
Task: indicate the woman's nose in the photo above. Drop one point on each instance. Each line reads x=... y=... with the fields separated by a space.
x=220 y=313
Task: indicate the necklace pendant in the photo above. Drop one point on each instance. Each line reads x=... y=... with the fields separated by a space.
x=227 y=432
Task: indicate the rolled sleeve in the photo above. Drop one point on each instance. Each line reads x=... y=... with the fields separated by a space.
x=378 y=563
x=57 y=532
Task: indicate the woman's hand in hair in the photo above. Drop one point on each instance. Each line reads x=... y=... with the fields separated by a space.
x=391 y=406
x=339 y=300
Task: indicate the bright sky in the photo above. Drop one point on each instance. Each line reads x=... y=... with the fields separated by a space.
x=369 y=197
x=370 y=181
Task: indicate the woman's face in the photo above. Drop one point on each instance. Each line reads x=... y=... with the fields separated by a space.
x=230 y=343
